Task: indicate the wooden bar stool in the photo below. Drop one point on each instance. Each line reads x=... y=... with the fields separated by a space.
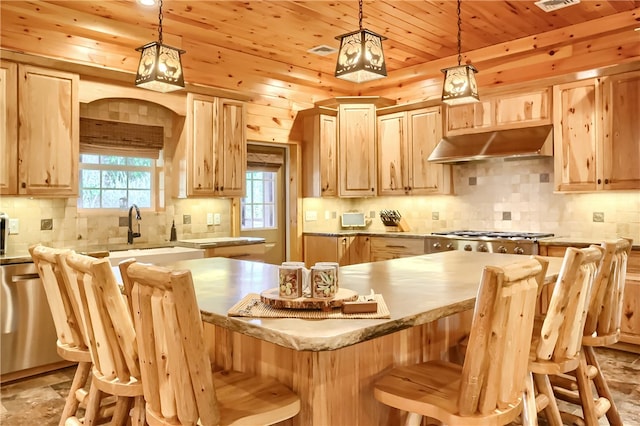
x=557 y=337
x=487 y=389
x=72 y=343
x=179 y=386
x=602 y=328
x=111 y=336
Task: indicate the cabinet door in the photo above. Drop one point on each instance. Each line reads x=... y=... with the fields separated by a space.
x=621 y=133
x=463 y=118
x=202 y=112
x=320 y=248
x=392 y=154
x=231 y=154
x=320 y=155
x=359 y=249
x=48 y=132
x=523 y=109
x=425 y=131
x=357 y=148
x=8 y=128
x=575 y=133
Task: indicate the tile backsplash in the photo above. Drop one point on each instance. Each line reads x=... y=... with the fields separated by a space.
x=82 y=229
x=498 y=195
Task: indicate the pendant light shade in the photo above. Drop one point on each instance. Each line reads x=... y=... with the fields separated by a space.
x=360 y=57
x=460 y=85
x=160 y=67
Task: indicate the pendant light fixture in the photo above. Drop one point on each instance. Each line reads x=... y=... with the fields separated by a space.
x=360 y=57
x=160 y=68
x=460 y=85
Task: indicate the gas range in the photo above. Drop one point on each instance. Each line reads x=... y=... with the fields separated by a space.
x=486 y=241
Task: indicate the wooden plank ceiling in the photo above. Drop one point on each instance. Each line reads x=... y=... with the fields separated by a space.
x=259 y=48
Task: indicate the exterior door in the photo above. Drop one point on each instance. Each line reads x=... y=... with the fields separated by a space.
x=263 y=209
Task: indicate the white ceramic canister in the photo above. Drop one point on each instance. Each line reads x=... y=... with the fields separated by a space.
x=290 y=281
x=323 y=282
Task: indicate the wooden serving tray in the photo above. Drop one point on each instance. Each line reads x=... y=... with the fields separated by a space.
x=272 y=298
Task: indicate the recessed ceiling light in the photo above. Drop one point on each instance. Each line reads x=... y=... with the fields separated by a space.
x=322 y=50
x=147 y=2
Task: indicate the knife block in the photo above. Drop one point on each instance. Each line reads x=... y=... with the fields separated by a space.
x=401 y=226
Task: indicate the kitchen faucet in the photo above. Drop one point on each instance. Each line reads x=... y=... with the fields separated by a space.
x=130 y=234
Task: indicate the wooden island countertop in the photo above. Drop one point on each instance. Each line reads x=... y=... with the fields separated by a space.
x=417 y=290
x=332 y=363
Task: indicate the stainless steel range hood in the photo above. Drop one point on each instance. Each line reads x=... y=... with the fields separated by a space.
x=514 y=143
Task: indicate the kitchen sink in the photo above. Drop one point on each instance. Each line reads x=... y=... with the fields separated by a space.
x=157 y=255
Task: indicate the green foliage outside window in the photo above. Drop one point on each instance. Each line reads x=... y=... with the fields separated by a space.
x=115 y=182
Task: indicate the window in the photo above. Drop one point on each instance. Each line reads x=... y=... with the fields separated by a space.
x=258 y=207
x=116 y=181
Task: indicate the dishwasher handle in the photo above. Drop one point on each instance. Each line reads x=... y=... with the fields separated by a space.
x=8 y=311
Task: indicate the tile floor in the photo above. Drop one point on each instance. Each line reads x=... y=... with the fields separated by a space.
x=39 y=400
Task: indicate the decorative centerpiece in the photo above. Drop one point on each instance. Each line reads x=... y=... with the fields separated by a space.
x=323 y=281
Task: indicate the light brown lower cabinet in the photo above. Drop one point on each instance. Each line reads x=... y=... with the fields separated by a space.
x=253 y=252
x=346 y=250
x=386 y=248
x=630 y=322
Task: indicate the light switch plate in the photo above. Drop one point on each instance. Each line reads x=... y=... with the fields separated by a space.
x=209 y=218
x=216 y=218
x=14 y=226
x=310 y=215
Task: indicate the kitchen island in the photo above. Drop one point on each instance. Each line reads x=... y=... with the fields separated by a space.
x=332 y=363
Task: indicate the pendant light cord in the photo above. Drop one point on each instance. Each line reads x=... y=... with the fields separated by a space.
x=360 y=14
x=459 y=34
x=160 y=23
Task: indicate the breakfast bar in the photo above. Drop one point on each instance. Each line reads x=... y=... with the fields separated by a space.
x=332 y=363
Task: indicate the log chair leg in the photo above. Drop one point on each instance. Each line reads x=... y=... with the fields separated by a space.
x=413 y=419
x=529 y=411
x=551 y=411
x=92 y=412
x=79 y=380
x=586 y=393
x=121 y=411
x=137 y=412
x=602 y=387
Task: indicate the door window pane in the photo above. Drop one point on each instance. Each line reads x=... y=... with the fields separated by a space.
x=258 y=207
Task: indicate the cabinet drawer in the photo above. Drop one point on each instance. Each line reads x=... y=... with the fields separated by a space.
x=242 y=252
x=384 y=248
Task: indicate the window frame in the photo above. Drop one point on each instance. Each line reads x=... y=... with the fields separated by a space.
x=274 y=203
x=156 y=170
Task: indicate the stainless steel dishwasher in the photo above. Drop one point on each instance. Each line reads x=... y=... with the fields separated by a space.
x=28 y=335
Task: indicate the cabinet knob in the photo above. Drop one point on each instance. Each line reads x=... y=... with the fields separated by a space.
x=606 y=181
x=373 y=189
x=599 y=181
x=23 y=184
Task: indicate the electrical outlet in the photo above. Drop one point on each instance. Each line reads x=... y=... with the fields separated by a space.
x=310 y=215
x=14 y=226
x=216 y=218
x=209 y=218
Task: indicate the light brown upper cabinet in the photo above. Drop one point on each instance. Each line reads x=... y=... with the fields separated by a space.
x=320 y=153
x=8 y=128
x=357 y=150
x=216 y=146
x=405 y=140
x=507 y=110
x=596 y=134
x=45 y=131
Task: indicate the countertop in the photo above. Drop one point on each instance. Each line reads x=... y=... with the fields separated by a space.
x=547 y=241
x=416 y=289
x=23 y=256
x=204 y=243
